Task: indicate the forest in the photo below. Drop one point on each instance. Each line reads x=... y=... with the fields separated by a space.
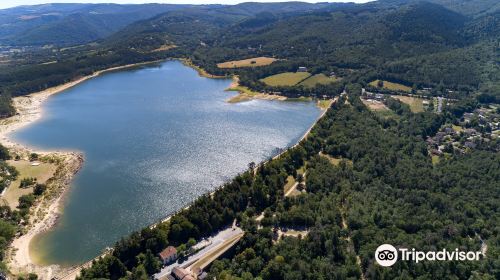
x=441 y=48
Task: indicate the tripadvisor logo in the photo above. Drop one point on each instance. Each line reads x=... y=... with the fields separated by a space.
x=387 y=255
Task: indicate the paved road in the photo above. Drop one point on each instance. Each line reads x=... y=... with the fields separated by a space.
x=213 y=241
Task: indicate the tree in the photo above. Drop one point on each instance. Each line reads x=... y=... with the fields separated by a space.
x=39 y=189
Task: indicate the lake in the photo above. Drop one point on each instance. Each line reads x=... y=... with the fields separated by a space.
x=154 y=138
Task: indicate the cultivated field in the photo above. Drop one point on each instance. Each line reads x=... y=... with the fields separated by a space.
x=321 y=79
x=391 y=86
x=286 y=79
x=416 y=104
x=251 y=62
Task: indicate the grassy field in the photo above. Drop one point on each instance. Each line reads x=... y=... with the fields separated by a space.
x=392 y=86
x=42 y=173
x=416 y=104
x=318 y=79
x=325 y=104
x=334 y=161
x=251 y=62
x=286 y=79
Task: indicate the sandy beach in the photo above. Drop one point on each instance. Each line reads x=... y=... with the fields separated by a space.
x=46 y=211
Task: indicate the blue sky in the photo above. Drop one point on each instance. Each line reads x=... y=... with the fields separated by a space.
x=12 y=3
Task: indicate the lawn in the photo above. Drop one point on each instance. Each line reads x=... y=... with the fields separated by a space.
x=250 y=62
x=318 y=79
x=391 y=86
x=42 y=173
x=286 y=79
x=416 y=104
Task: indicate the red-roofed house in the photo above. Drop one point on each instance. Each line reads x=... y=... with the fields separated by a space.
x=168 y=255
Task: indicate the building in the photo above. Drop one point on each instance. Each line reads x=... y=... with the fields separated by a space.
x=168 y=255
x=302 y=69
x=180 y=273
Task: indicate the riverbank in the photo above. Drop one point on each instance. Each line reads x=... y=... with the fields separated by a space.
x=45 y=212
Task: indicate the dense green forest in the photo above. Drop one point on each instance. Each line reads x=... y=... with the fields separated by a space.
x=390 y=193
x=419 y=44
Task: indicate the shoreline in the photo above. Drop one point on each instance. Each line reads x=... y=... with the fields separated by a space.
x=44 y=214
x=246 y=94
x=47 y=210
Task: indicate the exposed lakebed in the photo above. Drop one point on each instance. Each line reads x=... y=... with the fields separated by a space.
x=154 y=139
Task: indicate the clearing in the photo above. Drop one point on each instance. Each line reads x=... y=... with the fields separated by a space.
x=250 y=62
x=325 y=104
x=416 y=104
x=335 y=161
x=165 y=47
x=286 y=79
x=318 y=79
x=391 y=86
x=42 y=173
x=375 y=105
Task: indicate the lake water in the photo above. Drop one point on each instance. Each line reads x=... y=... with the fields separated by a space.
x=154 y=139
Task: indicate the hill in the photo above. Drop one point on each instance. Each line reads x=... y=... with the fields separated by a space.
x=70 y=24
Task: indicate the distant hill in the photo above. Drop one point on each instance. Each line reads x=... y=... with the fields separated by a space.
x=71 y=24
x=465 y=7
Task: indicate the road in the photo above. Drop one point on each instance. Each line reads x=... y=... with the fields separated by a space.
x=215 y=242
x=440 y=105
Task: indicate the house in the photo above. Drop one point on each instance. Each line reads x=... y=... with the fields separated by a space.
x=180 y=273
x=168 y=255
x=302 y=69
x=470 y=145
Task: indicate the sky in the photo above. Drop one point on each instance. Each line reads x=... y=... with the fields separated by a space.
x=12 y=3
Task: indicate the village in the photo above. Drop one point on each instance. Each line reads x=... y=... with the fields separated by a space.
x=479 y=128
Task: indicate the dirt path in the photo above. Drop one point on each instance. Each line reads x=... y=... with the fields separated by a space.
x=343 y=214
